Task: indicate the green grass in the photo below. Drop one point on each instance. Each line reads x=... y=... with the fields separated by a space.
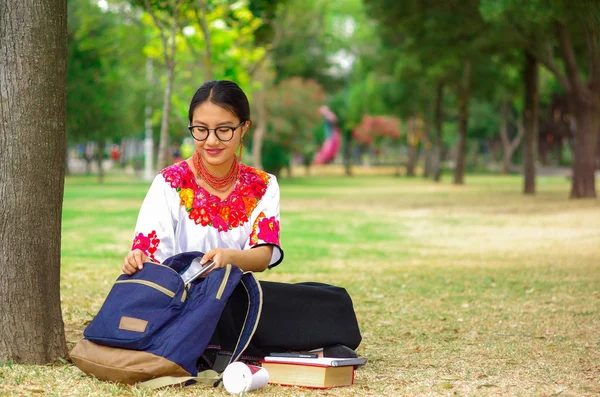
x=470 y=290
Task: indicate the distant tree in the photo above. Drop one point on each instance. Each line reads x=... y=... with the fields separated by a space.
x=438 y=33
x=105 y=91
x=293 y=115
x=33 y=44
x=572 y=29
x=530 y=122
x=166 y=16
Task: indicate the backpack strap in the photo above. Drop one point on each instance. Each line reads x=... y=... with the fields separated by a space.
x=207 y=378
x=255 y=301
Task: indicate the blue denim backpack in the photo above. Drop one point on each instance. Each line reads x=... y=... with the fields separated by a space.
x=152 y=325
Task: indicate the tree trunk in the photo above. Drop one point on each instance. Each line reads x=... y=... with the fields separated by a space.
x=261 y=127
x=585 y=102
x=427 y=147
x=587 y=117
x=33 y=44
x=148 y=136
x=463 y=118
x=163 y=147
x=508 y=146
x=201 y=19
x=169 y=44
x=100 y=159
x=413 y=141
x=348 y=152
x=398 y=171
x=506 y=152
x=438 y=116
x=530 y=122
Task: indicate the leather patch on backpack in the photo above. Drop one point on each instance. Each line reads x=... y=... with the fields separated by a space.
x=132 y=324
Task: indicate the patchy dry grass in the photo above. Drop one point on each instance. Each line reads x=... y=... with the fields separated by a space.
x=472 y=290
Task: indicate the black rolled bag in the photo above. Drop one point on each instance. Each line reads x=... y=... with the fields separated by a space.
x=294 y=317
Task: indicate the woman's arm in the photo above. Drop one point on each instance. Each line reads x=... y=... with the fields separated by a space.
x=256 y=259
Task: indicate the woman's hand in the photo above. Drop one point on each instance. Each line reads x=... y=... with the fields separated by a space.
x=134 y=261
x=255 y=259
x=221 y=256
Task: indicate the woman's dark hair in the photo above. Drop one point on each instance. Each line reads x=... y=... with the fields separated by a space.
x=225 y=94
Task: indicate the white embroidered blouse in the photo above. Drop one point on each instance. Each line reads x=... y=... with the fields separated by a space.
x=178 y=215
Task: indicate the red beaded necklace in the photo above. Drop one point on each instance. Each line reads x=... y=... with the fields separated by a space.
x=220 y=184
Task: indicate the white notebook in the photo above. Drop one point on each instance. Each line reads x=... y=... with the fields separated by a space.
x=321 y=361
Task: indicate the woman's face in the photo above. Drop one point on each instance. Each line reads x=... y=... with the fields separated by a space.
x=214 y=151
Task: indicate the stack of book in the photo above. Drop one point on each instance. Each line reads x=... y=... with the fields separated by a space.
x=322 y=372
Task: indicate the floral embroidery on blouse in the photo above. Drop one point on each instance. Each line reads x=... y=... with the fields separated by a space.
x=268 y=230
x=207 y=209
x=148 y=244
x=265 y=229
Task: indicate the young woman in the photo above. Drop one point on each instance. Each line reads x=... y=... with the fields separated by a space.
x=211 y=202
x=214 y=204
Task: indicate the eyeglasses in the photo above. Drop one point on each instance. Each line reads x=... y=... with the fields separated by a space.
x=224 y=134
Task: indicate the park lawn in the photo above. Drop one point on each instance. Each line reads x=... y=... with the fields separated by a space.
x=470 y=290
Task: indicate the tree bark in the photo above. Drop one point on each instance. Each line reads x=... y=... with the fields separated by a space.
x=260 y=129
x=463 y=119
x=33 y=54
x=587 y=117
x=585 y=100
x=163 y=147
x=506 y=152
x=347 y=152
x=100 y=159
x=201 y=19
x=530 y=122
x=438 y=119
x=427 y=147
x=169 y=44
x=508 y=145
x=413 y=141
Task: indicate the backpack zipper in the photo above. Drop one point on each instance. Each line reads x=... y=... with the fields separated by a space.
x=150 y=284
x=168 y=267
x=186 y=288
x=223 y=282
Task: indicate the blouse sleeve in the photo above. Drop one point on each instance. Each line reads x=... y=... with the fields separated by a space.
x=155 y=227
x=265 y=223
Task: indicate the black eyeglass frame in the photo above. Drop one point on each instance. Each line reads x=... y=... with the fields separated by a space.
x=191 y=128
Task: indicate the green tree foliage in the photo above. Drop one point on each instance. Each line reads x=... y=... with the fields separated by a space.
x=105 y=93
x=215 y=40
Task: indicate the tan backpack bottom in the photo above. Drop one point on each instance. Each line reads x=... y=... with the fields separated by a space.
x=122 y=365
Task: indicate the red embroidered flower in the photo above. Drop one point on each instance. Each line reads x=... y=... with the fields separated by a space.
x=141 y=242
x=147 y=244
x=206 y=209
x=173 y=175
x=220 y=224
x=188 y=182
x=237 y=218
x=268 y=230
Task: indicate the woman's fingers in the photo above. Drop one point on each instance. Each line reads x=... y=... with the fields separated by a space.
x=128 y=268
x=134 y=261
x=139 y=258
x=208 y=256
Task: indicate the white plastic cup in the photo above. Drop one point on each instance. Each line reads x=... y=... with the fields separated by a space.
x=240 y=378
